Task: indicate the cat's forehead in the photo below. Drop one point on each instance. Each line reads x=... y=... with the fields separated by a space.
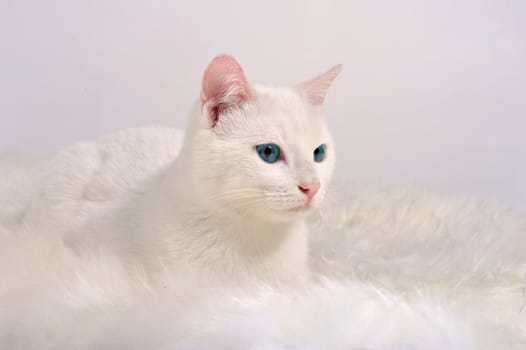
x=284 y=111
x=279 y=100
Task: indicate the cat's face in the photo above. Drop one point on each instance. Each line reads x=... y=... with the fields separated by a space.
x=262 y=152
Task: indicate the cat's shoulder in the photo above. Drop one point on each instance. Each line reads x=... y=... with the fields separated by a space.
x=93 y=177
x=118 y=162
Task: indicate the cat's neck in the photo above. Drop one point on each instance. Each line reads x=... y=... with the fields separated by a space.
x=228 y=243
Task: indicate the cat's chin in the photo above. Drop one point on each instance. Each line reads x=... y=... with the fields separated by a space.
x=274 y=215
x=292 y=214
x=304 y=208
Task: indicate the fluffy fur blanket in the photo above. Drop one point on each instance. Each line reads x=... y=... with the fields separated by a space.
x=393 y=269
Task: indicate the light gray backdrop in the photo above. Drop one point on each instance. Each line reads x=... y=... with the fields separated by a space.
x=433 y=92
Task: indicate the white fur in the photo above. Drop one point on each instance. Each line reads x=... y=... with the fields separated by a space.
x=118 y=245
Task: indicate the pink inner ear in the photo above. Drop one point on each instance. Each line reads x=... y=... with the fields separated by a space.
x=316 y=89
x=224 y=87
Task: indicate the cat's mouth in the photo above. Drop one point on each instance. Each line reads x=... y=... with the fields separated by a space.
x=300 y=208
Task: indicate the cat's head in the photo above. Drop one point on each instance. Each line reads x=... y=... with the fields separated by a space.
x=260 y=151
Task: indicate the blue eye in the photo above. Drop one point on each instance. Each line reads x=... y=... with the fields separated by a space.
x=269 y=152
x=319 y=153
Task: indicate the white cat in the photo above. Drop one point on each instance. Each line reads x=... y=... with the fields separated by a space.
x=255 y=160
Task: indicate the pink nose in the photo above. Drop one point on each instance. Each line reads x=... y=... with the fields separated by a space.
x=310 y=189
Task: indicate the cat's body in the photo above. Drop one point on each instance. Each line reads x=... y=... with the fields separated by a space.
x=217 y=208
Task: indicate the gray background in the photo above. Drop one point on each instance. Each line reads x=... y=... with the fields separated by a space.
x=433 y=92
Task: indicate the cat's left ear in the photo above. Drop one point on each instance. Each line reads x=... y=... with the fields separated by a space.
x=316 y=89
x=224 y=88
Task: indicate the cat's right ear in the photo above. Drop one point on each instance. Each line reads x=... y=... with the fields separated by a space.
x=224 y=88
x=316 y=89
